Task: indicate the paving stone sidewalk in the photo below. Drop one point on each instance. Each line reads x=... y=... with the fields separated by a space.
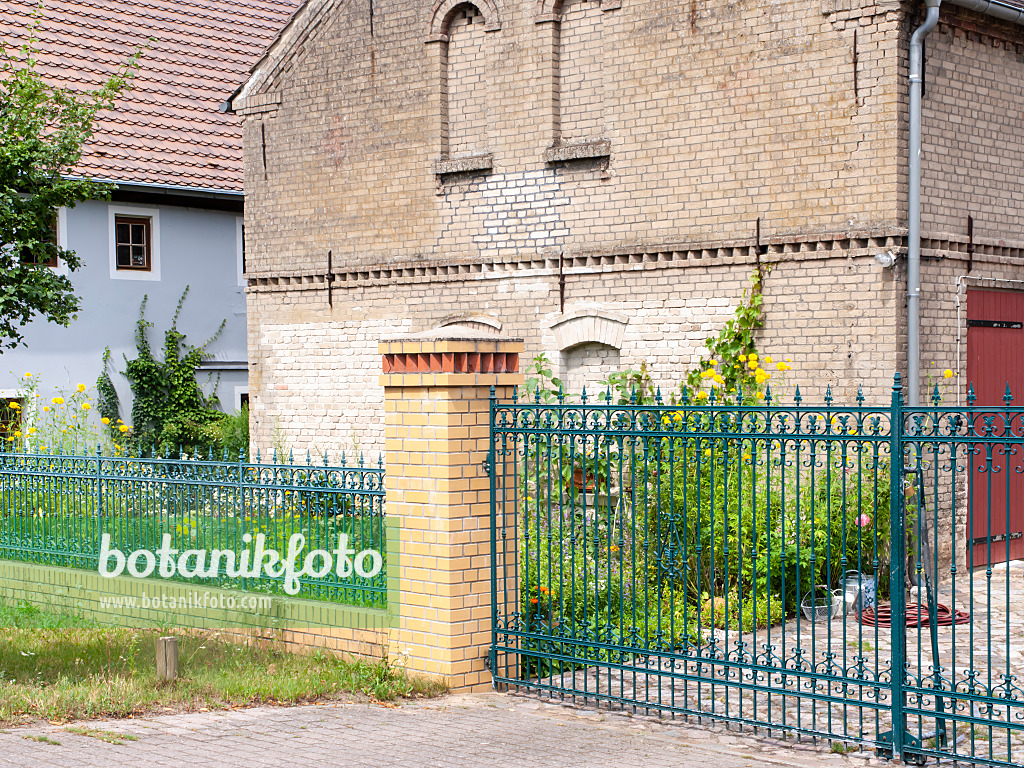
x=472 y=731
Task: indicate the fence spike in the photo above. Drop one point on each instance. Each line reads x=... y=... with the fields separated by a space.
x=360 y=459
x=657 y=396
x=796 y=396
x=561 y=395
x=739 y=395
x=309 y=459
x=608 y=395
x=257 y=455
x=632 y=395
x=583 y=397
x=536 y=395
x=860 y=395
x=1008 y=395
x=274 y=456
x=325 y=456
x=828 y=395
x=970 y=394
x=768 y=394
x=291 y=456
x=515 y=393
x=936 y=397
x=380 y=460
x=343 y=459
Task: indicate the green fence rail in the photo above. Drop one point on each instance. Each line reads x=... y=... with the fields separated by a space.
x=850 y=573
x=56 y=509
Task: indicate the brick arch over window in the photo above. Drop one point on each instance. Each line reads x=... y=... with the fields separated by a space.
x=589 y=327
x=444 y=10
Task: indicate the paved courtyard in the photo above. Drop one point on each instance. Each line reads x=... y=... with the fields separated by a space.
x=472 y=731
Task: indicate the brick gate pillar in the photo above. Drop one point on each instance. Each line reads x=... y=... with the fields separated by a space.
x=436 y=429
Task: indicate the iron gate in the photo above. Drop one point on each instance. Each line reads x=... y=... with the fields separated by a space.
x=747 y=561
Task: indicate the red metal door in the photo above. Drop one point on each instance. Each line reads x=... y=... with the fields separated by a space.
x=995 y=359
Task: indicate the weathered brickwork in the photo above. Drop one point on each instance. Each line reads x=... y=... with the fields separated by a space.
x=581 y=71
x=602 y=179
x=468 y=55
x=973 y=117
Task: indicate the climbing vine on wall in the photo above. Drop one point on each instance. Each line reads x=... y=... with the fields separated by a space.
x=107 y=401
x=169 y=409
x=734 y=342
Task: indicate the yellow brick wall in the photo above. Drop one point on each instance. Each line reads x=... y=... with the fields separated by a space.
x=436 y=440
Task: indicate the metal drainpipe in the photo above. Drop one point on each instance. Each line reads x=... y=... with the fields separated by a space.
x=914 y=202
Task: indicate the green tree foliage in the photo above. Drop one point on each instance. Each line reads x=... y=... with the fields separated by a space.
x=42 y=131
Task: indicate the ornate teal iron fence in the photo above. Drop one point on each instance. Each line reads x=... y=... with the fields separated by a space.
x=840 y=572
x=55 y=509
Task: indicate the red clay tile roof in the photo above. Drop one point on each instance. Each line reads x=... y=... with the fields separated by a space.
x=168 y=130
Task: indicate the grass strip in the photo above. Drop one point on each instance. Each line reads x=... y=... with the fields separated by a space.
x=60 y=669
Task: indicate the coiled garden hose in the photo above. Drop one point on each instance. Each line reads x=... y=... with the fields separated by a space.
x=917 y=616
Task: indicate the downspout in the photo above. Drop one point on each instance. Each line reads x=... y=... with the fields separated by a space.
x=914 y=204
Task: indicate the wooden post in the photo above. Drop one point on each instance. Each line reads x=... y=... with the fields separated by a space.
x=167 y=657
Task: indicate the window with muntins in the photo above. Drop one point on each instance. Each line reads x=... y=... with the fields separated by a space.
x=133 y=242
x=46 y=253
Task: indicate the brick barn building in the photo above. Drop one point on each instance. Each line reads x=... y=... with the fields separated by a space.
x=602 y=177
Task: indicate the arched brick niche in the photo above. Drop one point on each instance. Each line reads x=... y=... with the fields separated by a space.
x=462 y=49
x=589 y=344
x=577 y=40
x=484 y=323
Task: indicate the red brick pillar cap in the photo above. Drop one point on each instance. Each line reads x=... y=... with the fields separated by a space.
x=450 y=357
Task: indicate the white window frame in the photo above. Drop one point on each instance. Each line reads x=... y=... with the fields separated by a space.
x=240 y=249
x=62 y=241
x=153 y=214
x=240 y=389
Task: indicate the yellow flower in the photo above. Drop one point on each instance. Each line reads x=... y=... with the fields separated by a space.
x=752 y=365
x=58 y=401
x=712 y=362
x=17 y=433
x=948 y=373
x=124 y=428
x=81 y=387
x=759 y=395
x=46 y=408
x=781 y=366
x=768 y=359
x=753 y=356
x=707 y=451
x=14 y=405
x=32 y=430
x=86 y=406
x=678 y=418
x=43 y=448
x=28 y=375
x=702 y=395
x=743 y=358
x=104 y=421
